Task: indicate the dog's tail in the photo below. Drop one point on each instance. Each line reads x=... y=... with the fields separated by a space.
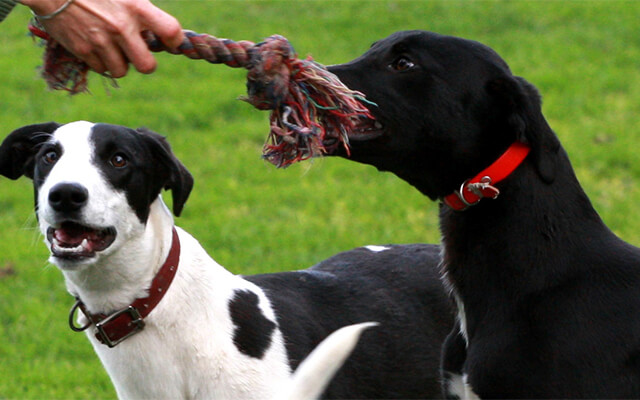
x=314 y=374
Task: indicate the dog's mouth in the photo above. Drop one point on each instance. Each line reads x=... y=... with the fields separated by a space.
x=75 y=241
x=366 y=129
x=291 y=143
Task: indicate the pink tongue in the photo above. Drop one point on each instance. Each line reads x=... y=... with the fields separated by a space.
x=71 y=235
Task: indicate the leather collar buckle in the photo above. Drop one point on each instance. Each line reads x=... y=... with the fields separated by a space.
x=112 y=336
x=114 y=328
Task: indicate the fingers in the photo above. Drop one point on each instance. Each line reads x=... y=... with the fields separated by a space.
x=163 y=25
x=115 y=62
x=107 y=34
x=143 y=16
x=95 y=46
x=106 y=59
x=136 y=52
x=95 y=63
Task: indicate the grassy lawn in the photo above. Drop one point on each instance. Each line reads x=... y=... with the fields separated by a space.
x=582 y=55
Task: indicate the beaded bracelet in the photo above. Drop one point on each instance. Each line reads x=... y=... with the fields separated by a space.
x=53 y=14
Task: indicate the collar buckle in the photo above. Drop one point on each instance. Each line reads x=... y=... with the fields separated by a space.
x=114 y=328
x=481 y=190
x=460 y=194
x=481 y=186
x=111 y=337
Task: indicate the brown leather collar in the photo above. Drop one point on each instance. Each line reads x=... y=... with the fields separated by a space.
x=114 y=328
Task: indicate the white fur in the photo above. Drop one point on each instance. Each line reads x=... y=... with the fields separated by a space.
x=376 y=249
x=315 y=372
x=456 y=385
x=459 y=387
x=462 y=318
x=186 y=349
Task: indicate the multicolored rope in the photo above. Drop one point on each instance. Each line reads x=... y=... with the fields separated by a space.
x=312 y=112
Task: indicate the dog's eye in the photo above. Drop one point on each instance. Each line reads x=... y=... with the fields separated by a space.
x=50 y=157
x=402 y=64
x=118 y=160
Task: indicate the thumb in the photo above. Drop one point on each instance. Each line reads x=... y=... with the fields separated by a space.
x=164 y=26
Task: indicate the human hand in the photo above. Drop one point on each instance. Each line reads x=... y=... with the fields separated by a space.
x=106 y=34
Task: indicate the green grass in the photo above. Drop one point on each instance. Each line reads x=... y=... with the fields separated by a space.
x=582 y=55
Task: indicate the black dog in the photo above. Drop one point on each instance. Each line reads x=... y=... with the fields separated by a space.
x=549 y=297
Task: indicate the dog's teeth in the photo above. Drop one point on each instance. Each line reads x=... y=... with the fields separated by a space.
x=84 y=244
x=60 y=249
x=377 y=125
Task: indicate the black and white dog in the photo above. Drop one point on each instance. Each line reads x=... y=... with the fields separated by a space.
x=168 y=322
x=548 y=297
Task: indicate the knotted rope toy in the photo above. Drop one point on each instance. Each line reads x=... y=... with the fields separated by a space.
x=312 y=112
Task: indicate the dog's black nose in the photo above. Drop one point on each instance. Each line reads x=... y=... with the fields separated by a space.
x=68 y=197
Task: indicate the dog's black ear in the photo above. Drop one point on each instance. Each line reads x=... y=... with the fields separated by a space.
x=175 y=176
x=18 y=150
x=521 y=107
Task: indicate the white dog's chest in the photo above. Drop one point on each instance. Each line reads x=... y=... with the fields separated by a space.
x=189 y=371
x=190 y=348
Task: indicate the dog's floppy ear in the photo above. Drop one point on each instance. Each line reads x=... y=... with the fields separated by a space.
x=522 y=112
x=175 y=176
x=18 y=150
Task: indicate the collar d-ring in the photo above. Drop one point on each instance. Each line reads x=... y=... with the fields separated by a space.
x=72 y=313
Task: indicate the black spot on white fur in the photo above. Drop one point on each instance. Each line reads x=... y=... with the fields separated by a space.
x=42 y=169
x=253 y=331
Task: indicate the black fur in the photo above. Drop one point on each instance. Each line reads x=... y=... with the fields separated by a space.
x=18 y=150
x=551 y=295
x=253 y=331
x=399 y=288
x=151 y=166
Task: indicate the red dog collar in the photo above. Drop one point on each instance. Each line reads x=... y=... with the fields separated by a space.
x=114 y=328
x=480 y=186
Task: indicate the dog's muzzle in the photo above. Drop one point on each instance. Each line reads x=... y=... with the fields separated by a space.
x=72 y=240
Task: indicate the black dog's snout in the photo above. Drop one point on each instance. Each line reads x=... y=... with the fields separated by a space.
x=68 y=197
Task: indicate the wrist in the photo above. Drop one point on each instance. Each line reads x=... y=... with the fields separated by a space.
x=43 y=7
